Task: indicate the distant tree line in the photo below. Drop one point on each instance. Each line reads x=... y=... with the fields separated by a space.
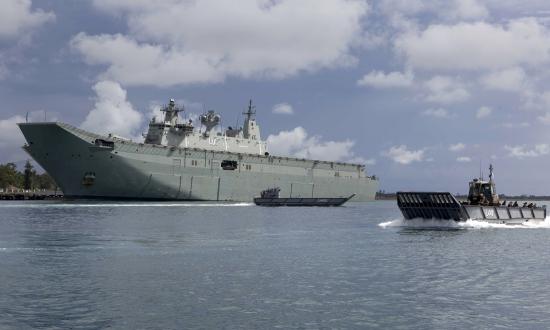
x=28 y=179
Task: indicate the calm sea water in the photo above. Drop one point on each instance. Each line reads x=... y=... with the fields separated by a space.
x=199 y=265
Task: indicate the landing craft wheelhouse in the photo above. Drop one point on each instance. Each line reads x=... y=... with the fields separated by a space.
x=179 y=162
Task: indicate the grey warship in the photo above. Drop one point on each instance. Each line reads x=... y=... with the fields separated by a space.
x=483 y=204
x=178 y=162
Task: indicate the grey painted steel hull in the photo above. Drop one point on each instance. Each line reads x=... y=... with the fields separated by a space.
x=505 y=214
x=129 y=170
x=301 y=201
x=444 y=206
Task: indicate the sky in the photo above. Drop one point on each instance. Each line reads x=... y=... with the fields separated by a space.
x=421 y=92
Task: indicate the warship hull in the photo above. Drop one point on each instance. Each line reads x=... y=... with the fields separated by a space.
x=87 y=165
x=444 y=206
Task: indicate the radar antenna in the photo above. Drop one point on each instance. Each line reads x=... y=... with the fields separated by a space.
x=209 y=120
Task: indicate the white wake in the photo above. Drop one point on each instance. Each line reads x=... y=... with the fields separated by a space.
x=468 y=224
x=111 y=205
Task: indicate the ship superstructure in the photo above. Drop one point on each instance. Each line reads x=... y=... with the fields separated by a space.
x=170 y=132
x=177 y=161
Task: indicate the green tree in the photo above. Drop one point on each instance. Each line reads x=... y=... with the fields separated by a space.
x=45 y=181
x=29 y=175
x=29 y=179
x=9 y=176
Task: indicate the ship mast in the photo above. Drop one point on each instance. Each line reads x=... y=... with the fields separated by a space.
x=171 y=113
x=249 y=131
x=250 y=112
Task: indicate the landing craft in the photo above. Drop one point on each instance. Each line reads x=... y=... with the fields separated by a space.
x=483 y=204
x=179 y=162
x=271 y=197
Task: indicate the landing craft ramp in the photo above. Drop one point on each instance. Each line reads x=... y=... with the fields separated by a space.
x=430 y=205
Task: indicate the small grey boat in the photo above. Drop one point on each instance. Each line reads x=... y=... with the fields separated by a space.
x=483 y=204
x=270 y=197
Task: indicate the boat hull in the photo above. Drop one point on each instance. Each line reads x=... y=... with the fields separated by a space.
x=300 y=201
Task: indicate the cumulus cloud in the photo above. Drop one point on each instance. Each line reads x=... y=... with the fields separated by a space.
x=17 y=21
x=139 y=64
x=463 y=159
x=283 y=109
x=534 y=100
x=379 y=79
x=467 y=10
x=437 y=113
x=445 y=90
x=457 y=147
x=154 y=111
x=112 y=112
x=286 y=142
x=523 y=151
x=299 y=144
x=17 y=17
x=214 y=40
x=512 y=79
x=483 y=112
x=10 y=135
x=476 y=46
x=402 y=155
